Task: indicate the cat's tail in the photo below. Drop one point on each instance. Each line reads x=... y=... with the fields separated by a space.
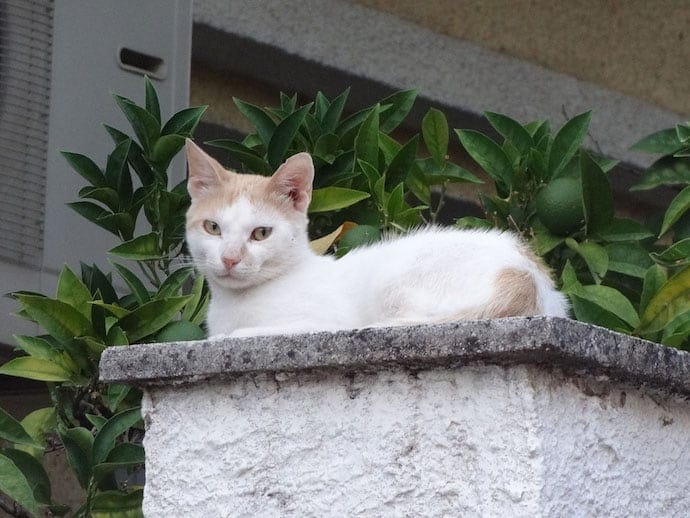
x=525 y=292
x=519 y=292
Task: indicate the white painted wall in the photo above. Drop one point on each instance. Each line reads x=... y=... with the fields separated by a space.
x=475 y=441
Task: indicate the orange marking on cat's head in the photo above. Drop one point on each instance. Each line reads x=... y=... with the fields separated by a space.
x=213 y=187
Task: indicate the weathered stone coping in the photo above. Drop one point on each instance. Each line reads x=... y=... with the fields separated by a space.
x=563 y=343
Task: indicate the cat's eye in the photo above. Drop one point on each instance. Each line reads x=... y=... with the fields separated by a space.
x=212 y=227
x=261 y=233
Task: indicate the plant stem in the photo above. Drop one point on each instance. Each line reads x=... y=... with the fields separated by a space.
x=439 y=205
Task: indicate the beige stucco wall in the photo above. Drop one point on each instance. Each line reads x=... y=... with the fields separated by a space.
x=636 y=47
x=216 y=89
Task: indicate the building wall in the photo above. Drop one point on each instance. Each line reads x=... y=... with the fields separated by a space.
x=472 y=441
x=635 y=47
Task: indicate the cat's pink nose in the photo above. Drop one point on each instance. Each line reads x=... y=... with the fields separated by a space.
x=230 y=262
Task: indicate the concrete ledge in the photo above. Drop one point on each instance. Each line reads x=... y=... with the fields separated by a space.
x=564 y=343
x=513 y=417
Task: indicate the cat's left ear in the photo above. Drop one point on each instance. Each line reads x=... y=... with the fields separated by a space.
x=294 y=178
x=203 y=171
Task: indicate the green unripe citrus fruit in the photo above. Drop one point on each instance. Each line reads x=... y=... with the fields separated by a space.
x=559 y=206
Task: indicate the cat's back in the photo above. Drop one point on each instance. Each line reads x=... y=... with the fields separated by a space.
x=447 y=245
x=457 y=271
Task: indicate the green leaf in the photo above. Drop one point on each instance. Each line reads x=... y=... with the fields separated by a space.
x=447 y=172
x=174 y=282
x=106 y=195
x=145 y=125
x=665 y=171
x=473 y=222
x=330 y=120
x=512 y=131
x=123 y=455
x=165 y=149
x=592 y=313
x=678 y=254
x=664 y=142
x=624 y=229
x=117 y=173
x=78 y=444
x=36 y=476
x=670 y=301
x=569 y=281
x=135 y=285
x=97 y=281
x=195 y=298
x=95 y=214
x=247 y=156
x=114 y=395
x=654 y=279
x=61 y=320
x=86 y=168
x=597 y=197
x=37 y=347
x=326 y=147
x=567 y=141
x=35 y=369
x=611 y=300
x=180 y=331
x=435 y=134
x=357 y=236
x=201 y=309
x=488 y=155
x=152 y=104
x=388 y=147
x=114 y=309
x=15 y=484
x=262 y=121
x=71 y=290
x=367 y=139
x=399 y=168
x=628 y=258
x=151 y=317
x=96 y=420
x=287 y=102
x=321 y=105
x=116 y=336
x=141 y=248
x=116 y=426
x=284 y=135
x=334 y=198
x=38 y=423
x=116 y=504
x=399 y=105
x=395 y=201
x=11 y=430
x=595 y=256
x=184 y=122
x=683 y=133
x=678 y=206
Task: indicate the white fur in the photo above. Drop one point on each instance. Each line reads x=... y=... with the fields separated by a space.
x=278 y=285
x=429 y=275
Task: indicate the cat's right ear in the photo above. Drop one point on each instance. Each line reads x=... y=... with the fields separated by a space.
x=203 y=171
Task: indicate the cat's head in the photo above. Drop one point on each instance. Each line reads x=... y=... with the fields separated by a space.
x=243 y=229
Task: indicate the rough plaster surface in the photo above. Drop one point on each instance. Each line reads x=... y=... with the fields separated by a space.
x=472 y=441
x=512 y=417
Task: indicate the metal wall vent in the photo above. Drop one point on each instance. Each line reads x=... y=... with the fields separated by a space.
x=26 y=33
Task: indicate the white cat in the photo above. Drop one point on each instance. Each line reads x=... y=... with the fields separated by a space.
x=247 y=235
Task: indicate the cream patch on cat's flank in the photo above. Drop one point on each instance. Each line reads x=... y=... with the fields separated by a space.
x=518 y=294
